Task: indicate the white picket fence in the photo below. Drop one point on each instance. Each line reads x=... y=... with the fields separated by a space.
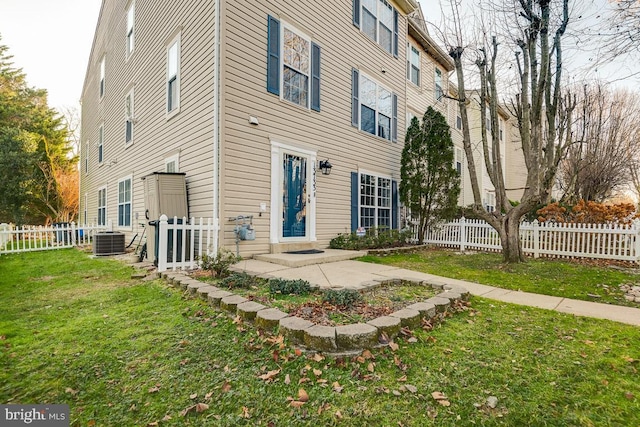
x=604 y=241
x=182 y=243
x=29 y=238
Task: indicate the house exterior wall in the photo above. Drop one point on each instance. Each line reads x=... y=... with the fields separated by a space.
x=247 y=160
x=186 y=135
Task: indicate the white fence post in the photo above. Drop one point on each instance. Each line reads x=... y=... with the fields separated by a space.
x=162 y=243
x=463 y=234
x=536 y=238
x=636 y=235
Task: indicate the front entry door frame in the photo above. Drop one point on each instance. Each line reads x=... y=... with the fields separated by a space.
x=278 y=151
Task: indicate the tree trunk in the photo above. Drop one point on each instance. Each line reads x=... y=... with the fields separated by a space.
x=511 y=244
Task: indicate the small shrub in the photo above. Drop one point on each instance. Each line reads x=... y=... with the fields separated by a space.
x=220 y=263
x=342 y=297
x=288 y=287
x=375 y=238
x=240 y=280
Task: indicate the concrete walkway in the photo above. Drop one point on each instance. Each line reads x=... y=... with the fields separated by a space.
x=360 y=275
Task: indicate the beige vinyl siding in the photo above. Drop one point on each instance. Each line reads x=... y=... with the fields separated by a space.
x=190 y=132
x=247 y=148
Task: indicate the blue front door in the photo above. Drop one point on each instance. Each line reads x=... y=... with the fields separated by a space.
x=294 y=196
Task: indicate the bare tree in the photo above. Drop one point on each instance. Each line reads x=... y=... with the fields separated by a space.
x=602 y=160
x=539 y=105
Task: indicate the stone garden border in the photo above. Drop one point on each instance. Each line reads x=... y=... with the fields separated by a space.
x=338 y=340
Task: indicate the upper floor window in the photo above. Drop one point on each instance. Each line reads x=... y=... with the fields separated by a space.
x=458 y=122
x=293 y=65
x=374 y=107
x=490 y=201
x=101 y=144
x=86 y=158
x=173 y=75
x=124 y=202
x=458 y=160
x=379 y=21
x=413 y=64
x=129 y=118
x=130 y=29
x=102 y=75
x=438 y=85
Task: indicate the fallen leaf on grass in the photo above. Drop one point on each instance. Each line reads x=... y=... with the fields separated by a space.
x=412 y=340
x=193 y=396
x=245 y=412
x=302 y=395
x=71 y=391
x=153 y=424
x=629 y=395
x=339 y=415
x=166 y=418
x=226 y=386
x=154 y=389
x=393 y=346
x=411 y=388
x=371 y=367
x=317 y=372
x=269 y=375
x=201 y=407
x=440 y=398
x=337 y=387
x=287 y=379
x=208 y=396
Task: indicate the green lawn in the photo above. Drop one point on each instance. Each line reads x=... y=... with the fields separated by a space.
x=123 y=352
x=542 y=276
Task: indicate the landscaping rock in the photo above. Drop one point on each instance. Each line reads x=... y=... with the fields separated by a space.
x=321 y=338
x=426 y=309
x=231 y=302
x=464 y=293
x=441 y=303
x=408 y=318
x=388 y=325
x=204 y=291
x=492 y=402
x=450 y=295
x=248 y=310
x=194 y=285
x=293 y=328
x=215 y=297
x=356 y=337
x=269 y=318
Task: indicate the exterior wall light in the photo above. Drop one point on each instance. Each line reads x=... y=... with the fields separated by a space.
x=325 y=166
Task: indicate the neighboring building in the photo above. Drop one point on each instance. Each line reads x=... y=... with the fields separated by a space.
x=246 y=98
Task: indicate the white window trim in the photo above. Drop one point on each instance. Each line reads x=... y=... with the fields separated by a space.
x=173 y=158
x=129 y=116
x=377 y=41
x=102 y=85
x=361 y=74
x=130 y=226
x=100 y=144
x=376 y=175
x=283 y=25
x=102 y=188
x=177 y=41
x=130 y=31
x=411 y=46
x=438 y=73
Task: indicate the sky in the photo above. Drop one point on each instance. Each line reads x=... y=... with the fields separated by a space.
x=51 y=41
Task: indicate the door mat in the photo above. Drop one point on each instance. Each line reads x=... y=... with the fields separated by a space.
x=306 y=252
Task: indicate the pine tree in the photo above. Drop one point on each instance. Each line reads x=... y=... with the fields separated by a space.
x=430 y=184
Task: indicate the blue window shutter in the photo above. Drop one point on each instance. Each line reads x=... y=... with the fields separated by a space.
x=355 y=104
x=394 y=118
x=273 y=55
x=356 y=13
x=315 y=77
x=394 y=205
x=395 y=33
x=354 y=201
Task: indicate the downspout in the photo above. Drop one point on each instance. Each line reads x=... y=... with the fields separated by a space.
x=216 y=127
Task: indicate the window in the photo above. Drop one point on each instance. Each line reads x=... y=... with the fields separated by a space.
x=490 y=201
x=86 y=198
x=102 y=206
x=293 y=65
x=102 y=75
x=129 y=118
x=458 y=161
x=379 y=21
x=438 y=82
x=458 y=122
x=173 y=76
x=124 y=203
x=410 y=117
x=375 y=201
x=86 y=158
x=374 y=107
x=130 y=29
x=171 y=164
x=101 y=143
x=413 y=64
